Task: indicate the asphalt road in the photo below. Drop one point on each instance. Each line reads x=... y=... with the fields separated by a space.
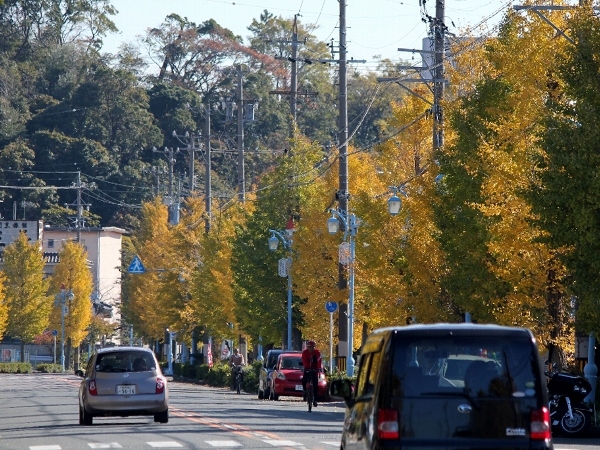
x=39 y=412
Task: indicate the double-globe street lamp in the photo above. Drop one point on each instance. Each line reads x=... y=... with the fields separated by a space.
x=351 y=224
x=65 y=294
x=285 y=269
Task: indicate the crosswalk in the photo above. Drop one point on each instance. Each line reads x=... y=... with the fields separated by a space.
x=174 y=444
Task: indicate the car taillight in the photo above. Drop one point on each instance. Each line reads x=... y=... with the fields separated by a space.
x=160 y=385
x=540 y=424
x=387 y=424
x=92 y=387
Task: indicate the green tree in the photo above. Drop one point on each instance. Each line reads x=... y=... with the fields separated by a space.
x=565 y=192
x=28 y=305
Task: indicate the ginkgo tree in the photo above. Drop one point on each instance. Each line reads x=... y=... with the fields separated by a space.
x=3 y=306
x=25 y=291
x=71 y=286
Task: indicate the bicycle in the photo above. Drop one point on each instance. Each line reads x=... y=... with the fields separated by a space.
x=238 y=377
x=310 y=394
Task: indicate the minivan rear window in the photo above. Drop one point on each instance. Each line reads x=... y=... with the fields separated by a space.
x=124 y=361
x=481 y=367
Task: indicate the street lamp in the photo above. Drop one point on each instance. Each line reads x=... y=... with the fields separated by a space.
x=284 y=268
x=351 y=224
x=64 y=309
x=395 y=202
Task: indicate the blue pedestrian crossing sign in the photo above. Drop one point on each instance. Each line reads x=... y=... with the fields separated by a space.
x=136 y=266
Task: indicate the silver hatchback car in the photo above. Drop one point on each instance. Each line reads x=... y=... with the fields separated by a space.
x=123 y=381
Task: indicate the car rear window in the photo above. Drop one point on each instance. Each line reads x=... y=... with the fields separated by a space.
x=477 y=367
x=125 y=361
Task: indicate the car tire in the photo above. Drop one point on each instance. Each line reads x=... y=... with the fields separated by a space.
x=162 y=417
x=85 y=418
x=261 y=395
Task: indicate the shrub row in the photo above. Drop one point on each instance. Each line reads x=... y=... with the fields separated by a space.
x=15 y=367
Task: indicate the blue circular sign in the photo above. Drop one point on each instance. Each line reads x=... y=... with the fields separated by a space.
x=331 y=306
x=54 y=332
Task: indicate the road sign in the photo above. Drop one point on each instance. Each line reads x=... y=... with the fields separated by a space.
x=282 y=268
x=54 y=332
x=136 y=266
x=331 y=307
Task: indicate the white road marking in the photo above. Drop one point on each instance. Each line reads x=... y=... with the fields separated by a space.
x=337 y=443
x=224 y=443
x=45 y=447
x=281 y=443
x=104 y=445
x=165 y=444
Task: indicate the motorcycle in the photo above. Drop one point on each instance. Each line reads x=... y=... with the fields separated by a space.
x=569 y=415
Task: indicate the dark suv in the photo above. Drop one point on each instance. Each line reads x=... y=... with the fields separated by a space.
x=265 y=381
x=458 y=386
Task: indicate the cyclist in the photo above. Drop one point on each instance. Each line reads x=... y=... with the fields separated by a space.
x=237 y=361
x=311 y=363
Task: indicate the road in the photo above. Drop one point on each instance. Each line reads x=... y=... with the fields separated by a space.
x=39 y=412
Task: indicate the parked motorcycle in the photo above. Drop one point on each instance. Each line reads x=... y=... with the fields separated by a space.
x=569 y=416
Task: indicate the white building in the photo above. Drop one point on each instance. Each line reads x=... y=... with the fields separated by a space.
x=103 y=246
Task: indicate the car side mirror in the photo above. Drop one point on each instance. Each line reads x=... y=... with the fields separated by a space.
x=342 y=389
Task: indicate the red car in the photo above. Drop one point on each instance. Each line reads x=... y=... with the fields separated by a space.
x=288 y=378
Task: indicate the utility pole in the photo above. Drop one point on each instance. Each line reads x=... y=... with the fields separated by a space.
x=293 y=92
x=207 y=165
x=343 y=194
x=173 y=205
x=294 y=78
x=439 y=31
x=240 y=136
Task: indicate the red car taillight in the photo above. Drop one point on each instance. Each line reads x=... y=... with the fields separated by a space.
x=160 y=385
x=92 y=387
x=540 y=424
x=387 y=424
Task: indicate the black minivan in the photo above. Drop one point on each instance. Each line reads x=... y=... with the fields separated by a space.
x=450 y=386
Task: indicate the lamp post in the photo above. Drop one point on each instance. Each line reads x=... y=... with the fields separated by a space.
x=64 y=309
x=284 y=268
x=351 y=224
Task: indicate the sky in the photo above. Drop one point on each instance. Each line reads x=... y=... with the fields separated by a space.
x=374 y=27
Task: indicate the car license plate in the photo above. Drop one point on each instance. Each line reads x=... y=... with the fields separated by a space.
x=123 y=389
x=299 y=387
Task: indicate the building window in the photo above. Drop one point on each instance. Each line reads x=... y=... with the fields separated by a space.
x=50 y=243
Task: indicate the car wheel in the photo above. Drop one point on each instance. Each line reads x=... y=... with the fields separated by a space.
x=85 y=418
x=162 y=417
x=261 y=395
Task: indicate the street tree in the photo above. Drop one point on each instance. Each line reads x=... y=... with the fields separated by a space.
x=25 y=291
x=71 y=285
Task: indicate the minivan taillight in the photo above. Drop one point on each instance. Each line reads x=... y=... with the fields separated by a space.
x=387 y=424
x=540 y=424
x=160 y=385
x=92 y=387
